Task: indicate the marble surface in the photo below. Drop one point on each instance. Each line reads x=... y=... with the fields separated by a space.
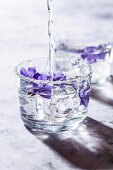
x=23 y=35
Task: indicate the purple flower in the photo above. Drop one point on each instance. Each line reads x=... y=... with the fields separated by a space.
x=38 y=76
x=84 y=96
x=23 y=72
x=93 y=53
x=42 y=89
x=91 y=58
x=30 y=72
x=94 y=48
x=59 y=76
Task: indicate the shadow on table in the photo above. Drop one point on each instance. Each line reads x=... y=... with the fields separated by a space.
x=89 y=147
x=104 y=92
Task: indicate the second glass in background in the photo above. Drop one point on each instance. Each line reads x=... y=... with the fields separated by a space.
x=98 y=55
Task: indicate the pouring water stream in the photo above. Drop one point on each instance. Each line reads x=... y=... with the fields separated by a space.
x=50 y=5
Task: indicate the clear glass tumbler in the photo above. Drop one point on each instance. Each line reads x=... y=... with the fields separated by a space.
x=97 y=55
x=58 y=105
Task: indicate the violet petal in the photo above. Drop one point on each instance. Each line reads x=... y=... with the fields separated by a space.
x=23 y=72
x=36 y=76
x=43 y=77
x=84 y=96
x=94 y=48
x=31 y=71
x=59 y=76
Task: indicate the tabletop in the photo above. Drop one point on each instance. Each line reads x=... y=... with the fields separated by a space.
x=23 y=35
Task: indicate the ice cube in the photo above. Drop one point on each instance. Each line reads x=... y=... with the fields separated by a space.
x=63 y=100
x=76 y=100
x=31 y=106
x=57 y=93
x=47 y=112
x=69 y=89
x=64 y=105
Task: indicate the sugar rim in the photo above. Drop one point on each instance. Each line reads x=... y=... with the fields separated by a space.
x=17 y=71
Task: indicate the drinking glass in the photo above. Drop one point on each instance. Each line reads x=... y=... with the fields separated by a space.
x=56 y=105
x=98 y=55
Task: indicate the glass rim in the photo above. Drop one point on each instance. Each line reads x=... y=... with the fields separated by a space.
x=17 y=72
